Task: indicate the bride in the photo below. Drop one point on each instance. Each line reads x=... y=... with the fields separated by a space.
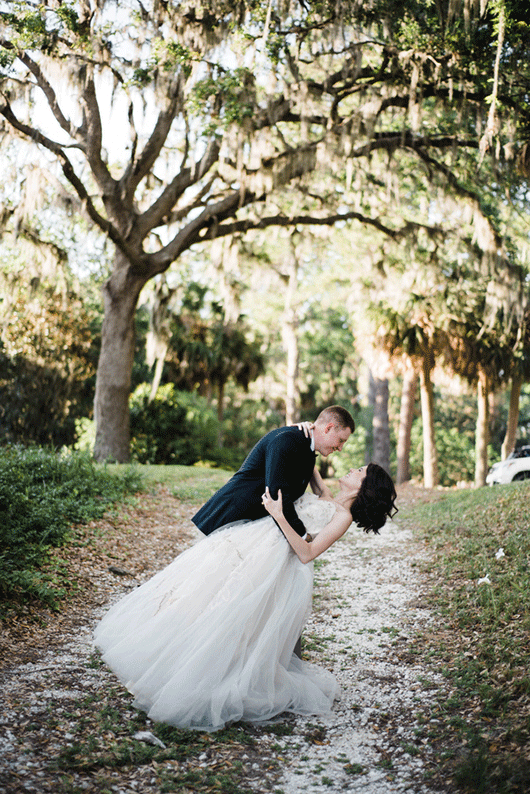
x=209 y=639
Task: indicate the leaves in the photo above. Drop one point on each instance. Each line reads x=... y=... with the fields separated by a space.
x=42 y=495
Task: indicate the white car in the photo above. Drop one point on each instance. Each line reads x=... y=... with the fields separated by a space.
x=515 y=467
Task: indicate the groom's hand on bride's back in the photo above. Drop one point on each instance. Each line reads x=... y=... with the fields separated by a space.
x=273 y=506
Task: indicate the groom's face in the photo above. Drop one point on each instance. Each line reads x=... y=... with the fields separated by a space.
x=331 y=439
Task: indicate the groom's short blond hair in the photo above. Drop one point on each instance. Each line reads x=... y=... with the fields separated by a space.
x=338 y=415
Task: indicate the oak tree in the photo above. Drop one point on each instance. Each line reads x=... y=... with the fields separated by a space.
x=173 y=122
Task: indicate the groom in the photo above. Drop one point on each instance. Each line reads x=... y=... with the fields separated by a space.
x=283 y=459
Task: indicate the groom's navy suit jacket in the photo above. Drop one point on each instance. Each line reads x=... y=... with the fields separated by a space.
x=282 y=459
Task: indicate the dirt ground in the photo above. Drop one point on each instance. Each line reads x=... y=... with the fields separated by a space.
x=40 y=659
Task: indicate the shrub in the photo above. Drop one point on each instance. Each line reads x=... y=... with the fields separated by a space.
x=175 y=427
x=42 y=494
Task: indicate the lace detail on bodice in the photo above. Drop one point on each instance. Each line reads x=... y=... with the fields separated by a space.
x=314 y=512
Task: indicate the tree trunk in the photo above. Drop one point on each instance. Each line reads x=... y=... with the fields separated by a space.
x=159 y=333
x=430 y=458
x=370 y=396
x=113 y=382
x=508 y=445
x=406 y=417
x=381 y=426
x=220 y=400
x=482 y=433
x=290 y=342
x=157 y=377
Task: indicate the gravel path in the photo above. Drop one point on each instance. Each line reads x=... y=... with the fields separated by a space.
x=367 y=610
x=368 y=606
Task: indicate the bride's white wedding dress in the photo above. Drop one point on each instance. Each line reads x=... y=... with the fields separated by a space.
x=209 y=639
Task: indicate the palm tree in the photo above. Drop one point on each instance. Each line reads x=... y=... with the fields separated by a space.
x=411 y=335
x=520 y=373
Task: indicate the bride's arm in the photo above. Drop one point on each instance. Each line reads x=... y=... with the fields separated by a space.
x=307 y=550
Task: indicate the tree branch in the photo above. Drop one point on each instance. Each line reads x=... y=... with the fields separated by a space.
x=140 y=167
x=408 y=140
x=162 y=207
x=248 y=224
x=191 y=233
x=49 y=93
x=197 y=201
x=93 y=138
x=69 y=172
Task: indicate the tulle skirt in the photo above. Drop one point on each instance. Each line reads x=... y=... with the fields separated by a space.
x=209 y=639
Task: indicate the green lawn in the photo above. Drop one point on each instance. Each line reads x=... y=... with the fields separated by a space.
x=480 y=587
x=188 y=483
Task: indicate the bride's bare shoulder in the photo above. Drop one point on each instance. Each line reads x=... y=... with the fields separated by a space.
x=343 y=513
x=339 y=509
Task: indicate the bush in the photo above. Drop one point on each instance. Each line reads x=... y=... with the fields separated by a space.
x=456 y=455
x=176 y=427
x=42 y=494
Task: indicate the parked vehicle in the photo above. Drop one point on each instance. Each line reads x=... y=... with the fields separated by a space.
x=515 y=467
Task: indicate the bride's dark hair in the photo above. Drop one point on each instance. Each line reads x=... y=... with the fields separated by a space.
x=375 y=501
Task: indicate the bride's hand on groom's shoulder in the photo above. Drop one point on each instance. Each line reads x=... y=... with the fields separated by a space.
x=306 y=427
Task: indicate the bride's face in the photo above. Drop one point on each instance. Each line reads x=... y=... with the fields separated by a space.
x=352 y=481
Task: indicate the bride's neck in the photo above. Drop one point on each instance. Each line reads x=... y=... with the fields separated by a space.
x=344 y=499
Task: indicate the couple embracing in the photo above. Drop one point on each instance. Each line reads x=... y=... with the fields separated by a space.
x=211 y=638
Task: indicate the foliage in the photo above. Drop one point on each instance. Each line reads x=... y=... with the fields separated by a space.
x=456 y=454
x=48 y=353
x=245 y=421
x=205 y=352
x=227 y=104
x=174 y=427
x=330 y=360
x=356 y=449
x=524 y=416
x=42 y=494
x=481 y=577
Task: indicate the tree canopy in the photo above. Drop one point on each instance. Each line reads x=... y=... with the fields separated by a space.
x=174 y=123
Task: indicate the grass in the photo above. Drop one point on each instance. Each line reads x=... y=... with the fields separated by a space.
x=187 y=483
x=481 y=589
x=101 y=741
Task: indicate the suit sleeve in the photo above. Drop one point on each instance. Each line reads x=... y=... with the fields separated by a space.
x=284 y=471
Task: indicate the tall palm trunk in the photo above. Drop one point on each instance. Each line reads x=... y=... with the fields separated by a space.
x=381 y=425
x=482 y=432
x=406 y=417
x=430 y=457
x=290 y=342
x=508 y=445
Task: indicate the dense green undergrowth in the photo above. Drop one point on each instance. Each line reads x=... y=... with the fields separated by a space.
x=481 y=588
x=43 y=494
